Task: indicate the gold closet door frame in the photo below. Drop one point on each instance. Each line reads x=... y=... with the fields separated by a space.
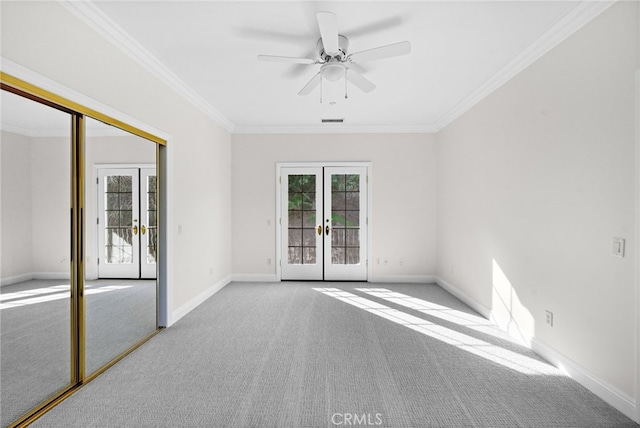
x=78 y=114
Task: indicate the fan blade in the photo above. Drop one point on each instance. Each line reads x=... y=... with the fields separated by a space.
x=328 y=23
x=381 y=52
x=296 y=70
x=360 y=81
x=291 y=60
x=315 y=81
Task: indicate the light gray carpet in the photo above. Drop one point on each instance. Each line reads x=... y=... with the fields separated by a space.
x=34 y=347
x=35 y=338
x=286 y=355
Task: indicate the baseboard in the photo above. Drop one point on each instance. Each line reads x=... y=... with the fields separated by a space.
x=616 y=398
x=411 y=279
x=200 y=298
x=51 y=275
x=254 y=277
x=33 y=275
x=472 y=303
x=266 y=277
x=16 y=279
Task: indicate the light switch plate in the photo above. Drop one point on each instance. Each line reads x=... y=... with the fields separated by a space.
x=617 y=247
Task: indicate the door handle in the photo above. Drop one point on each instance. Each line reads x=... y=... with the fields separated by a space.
x=319 y=229
x=143 y=229
x=135 y=229
x=327 y=229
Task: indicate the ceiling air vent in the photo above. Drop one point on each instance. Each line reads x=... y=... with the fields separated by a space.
x=332 y=120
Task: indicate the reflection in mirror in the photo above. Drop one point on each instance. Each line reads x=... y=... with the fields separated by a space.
x=35 y=235
x=121 y=242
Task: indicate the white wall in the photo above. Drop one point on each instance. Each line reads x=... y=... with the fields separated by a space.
x=46 y=38
x=35 y=204
x=50 y=193
x=535 y=181
x=15 y=199
x=404 y=196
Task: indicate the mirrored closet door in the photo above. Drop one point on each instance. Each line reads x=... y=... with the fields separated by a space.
x=79 y=255
x=35 y=261
x=121 y=237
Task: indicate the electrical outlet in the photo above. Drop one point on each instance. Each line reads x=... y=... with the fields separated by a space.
x=549 y=319
x=377 y=260
x=385 y=261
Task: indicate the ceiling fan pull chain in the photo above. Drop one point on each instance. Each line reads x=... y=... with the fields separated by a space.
x=345 y=83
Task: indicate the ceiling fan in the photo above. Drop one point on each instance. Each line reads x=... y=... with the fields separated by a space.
x=335 y=60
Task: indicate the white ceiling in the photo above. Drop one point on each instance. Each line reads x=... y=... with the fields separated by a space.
x=461 y=51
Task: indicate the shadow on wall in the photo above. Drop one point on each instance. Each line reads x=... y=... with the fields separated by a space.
x=507 y=309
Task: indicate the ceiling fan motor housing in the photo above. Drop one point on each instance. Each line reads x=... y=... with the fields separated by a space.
x=343 y=45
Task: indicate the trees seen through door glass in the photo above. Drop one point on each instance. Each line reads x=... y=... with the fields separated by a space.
x=152 y=219
x=302 y=219
x=119 y=219
x=345 y=216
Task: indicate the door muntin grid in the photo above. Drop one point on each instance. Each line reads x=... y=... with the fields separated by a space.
x=324 y=230
x=301 y=212
x=118 y=218
x=152 y=219
x=345 y=219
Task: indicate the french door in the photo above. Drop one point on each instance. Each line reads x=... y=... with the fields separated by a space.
x=324 y=223
x=127 y=223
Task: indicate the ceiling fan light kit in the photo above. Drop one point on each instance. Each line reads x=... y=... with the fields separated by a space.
x=334 y=58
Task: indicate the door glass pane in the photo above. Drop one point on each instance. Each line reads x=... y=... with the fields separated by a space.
x=35 y=324
x=118 y=219
x=345 y=215
x=152 y=221
x=302 y=219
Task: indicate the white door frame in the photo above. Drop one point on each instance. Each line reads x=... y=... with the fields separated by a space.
x=96 y=198
x=637 y=244
x=280 y=165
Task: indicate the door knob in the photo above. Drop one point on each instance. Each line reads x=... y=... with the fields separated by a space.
x=327 y=229
x=320 y=230
x=143 y=229
x=135 y=229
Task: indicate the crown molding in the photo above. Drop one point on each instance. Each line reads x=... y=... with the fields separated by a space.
x=335 y=129
x=561 y=30
x=107 y=28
